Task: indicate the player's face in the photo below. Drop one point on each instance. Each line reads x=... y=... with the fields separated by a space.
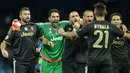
x=88 y=17
x=54 y=18
x=116 y=20
x=74 y=17
x=25 y=16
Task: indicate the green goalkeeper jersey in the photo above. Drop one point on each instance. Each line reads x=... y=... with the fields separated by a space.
x=53 y=54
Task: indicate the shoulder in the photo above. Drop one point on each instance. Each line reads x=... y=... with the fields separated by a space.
x=41 y=23
x=89 y=25
x=64 y=22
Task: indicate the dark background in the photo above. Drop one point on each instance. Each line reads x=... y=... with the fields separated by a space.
x=9 y=9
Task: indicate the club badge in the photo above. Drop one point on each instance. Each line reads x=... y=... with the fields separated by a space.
x=31 y=27
x=69 y=29
x=25 y=28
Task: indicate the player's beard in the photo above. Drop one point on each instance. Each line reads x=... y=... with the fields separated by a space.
x=55 y=24
x=75 y=20
x=27 y=20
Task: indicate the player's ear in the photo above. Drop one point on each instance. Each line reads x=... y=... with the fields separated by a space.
x=20 y=16
x=49 y=18
x=120 y=21
x=94 y=12
x=83 y=17
x=105 y=12
x=111 y=22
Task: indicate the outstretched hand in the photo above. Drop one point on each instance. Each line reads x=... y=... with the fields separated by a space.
x=60 y=31
x=76 y=25
x=51 y=44
x=124 y=28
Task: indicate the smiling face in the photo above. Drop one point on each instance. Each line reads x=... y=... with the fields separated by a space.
x=116 y=20
x=54 y=17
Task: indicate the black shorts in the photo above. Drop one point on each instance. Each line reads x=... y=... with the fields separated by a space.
x=81 y=67
x=69 y=67
x=24 y=67
x=121 y=67
x=100 y=69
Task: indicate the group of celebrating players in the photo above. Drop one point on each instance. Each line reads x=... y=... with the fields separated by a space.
x=89 y=44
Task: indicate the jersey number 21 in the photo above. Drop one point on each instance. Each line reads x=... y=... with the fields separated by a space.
x=100 y=38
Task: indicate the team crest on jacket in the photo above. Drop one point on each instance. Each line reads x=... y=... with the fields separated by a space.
x=31 y=27
x=25 y=28
x=69 y=29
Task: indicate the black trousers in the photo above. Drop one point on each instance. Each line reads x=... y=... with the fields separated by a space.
x=81 y=67
x=121 y=69
x=24 y=66
x=69 y=67
x=100 y=69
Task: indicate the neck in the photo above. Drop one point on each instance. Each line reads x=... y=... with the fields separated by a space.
x=23 y=23
x=101 y=18
x=118 y=26
x=54 y=25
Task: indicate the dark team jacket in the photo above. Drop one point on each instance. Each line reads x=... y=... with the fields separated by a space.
x=100 y=35
x=82 y=52
x=70 y=47
x=119 y=52
x=24 y=41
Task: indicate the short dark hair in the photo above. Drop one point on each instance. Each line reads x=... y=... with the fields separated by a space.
x=72 y=12
x=87 y=11
x=100 y=9
x=115 y=13
x=24 y=9
x=53 y=10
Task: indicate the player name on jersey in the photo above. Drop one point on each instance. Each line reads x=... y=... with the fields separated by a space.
x=99 y=26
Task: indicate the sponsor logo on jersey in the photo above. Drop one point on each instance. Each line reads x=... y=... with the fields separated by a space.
x=57 y=38
x=27 y=34
x=118 y=42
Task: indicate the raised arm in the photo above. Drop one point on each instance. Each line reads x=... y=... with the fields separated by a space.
x=71 y=35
